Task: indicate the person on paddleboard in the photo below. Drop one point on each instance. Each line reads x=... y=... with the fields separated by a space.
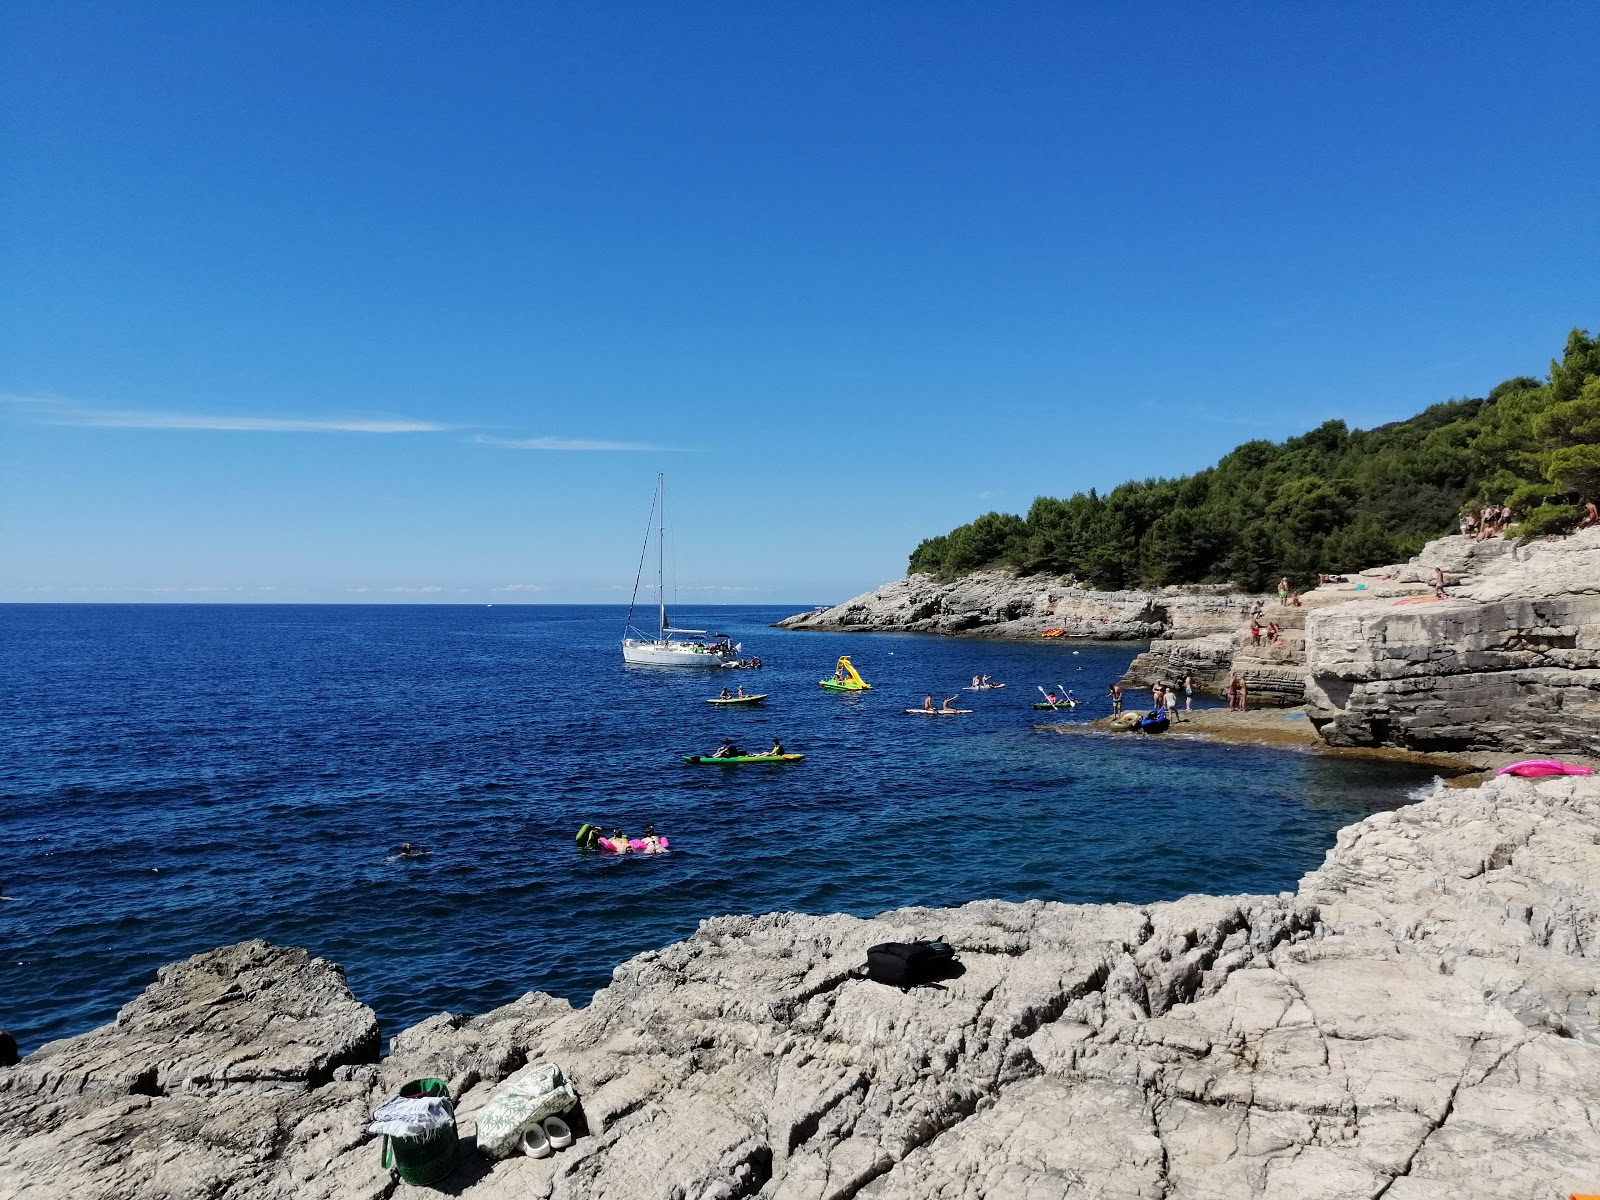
x=927 y=703
x=949 y=704
x=725 y=695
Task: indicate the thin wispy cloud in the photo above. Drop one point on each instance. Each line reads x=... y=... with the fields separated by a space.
x=520 y=587
x=559 y=444
x=50 y=410
x=423 y=590
x=167 y=420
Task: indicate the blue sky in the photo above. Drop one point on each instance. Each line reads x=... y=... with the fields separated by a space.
x=380 y=301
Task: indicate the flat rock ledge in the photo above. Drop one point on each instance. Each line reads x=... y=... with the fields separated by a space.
x=1419 y=1021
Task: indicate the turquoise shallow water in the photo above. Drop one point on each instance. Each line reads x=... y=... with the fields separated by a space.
x=173 y=778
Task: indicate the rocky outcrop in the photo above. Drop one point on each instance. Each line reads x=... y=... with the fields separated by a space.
x=1002 y=604
x=1509 y=662
x=1421 y=1019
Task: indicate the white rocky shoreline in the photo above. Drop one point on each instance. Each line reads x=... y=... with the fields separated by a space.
x=1419 y=1020
x=1508 y=662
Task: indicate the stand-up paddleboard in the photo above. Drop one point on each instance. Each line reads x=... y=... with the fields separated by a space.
x=700 y=759
x=1533 y=768
x=938 y=712
x=739 y=699
x=983 y=687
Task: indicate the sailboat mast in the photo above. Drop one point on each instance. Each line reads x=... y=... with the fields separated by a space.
x=661 y=554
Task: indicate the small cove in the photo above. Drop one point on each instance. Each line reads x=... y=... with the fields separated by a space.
x=178 y=777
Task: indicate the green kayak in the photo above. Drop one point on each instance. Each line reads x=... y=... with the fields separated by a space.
x=740 y=699
x=743 y=758
x=1064 y=704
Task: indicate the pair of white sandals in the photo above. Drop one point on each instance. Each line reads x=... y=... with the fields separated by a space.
x=549 y=1135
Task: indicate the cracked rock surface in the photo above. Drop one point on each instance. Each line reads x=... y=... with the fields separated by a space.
x=1420 y=1020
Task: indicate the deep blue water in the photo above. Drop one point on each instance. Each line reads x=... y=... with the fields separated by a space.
x=176 y=777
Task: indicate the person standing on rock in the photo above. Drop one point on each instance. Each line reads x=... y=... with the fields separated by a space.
x=1116 y=698
x=1244 y=693
x=1170 y=695
x=1188 y=693
x=1283 y=591
x=1233 y=692
x=1438 y=583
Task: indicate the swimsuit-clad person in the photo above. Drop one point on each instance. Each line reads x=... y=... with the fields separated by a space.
x=726 y=750
x=652 y=844
x=777 y=749
x=726 y=695
x=948 y=704
x=927 y=703
x=620 y=843
x=1116 y=698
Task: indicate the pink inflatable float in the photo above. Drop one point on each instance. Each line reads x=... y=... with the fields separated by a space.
x=607 y=845
x=1535 y=767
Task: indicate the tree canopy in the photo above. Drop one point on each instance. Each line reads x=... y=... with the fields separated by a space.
x=1332 y=500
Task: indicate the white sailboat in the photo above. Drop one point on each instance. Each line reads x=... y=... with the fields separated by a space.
x=669 y=647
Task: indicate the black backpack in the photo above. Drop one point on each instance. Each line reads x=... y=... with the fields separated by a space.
x=907 y=964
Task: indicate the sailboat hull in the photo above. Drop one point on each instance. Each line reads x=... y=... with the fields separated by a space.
x=672 y=654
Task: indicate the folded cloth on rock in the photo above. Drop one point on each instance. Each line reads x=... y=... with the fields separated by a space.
x=520 y=1103
x=412 y=1116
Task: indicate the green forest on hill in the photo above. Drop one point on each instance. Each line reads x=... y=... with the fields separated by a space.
x=1332 y=500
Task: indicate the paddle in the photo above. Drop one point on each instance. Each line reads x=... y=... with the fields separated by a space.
x=1046 y=696
x=1066 y=696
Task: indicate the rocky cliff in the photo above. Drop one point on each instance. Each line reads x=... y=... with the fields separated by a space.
x=1002 y=604
x=1509 y=662
x=1420 y=1020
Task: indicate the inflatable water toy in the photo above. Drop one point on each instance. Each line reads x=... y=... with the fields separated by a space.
x=938 y=712
x=744 y=758
x=1533 y=768
x=845 y=678
x=1154 y=722
x=636 y=844
x=1127 y=720
x=740 y=699
x=1053 y=633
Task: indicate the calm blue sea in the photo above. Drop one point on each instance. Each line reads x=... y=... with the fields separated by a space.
x=176 y=777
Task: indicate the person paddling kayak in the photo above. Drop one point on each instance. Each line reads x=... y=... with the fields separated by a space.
x=727 y=750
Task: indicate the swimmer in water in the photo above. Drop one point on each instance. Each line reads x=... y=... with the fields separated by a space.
x=652 y=844
x=407 y=850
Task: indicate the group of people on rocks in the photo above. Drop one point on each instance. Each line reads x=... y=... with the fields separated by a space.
x=1163 y=698
x=1273 y=633
x=1487 y=522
